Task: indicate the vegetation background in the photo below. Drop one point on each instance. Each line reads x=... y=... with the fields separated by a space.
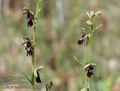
x=58 y=30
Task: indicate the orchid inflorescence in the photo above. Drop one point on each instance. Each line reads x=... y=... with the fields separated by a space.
x=86 y=36
x=30 y=43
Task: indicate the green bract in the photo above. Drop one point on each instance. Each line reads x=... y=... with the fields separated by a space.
x=89 y=22
x=98 y=13
x=87 y=65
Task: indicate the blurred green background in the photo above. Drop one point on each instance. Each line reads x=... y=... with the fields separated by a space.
x=58 y=30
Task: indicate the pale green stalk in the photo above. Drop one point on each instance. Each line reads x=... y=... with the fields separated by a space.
x=34 y=35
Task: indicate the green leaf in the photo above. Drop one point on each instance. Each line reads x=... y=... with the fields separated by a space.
x=49 y=86
x=77 y=60
x=28 y=79
x=32 y=78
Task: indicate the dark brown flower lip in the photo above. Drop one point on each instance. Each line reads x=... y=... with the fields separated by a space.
x=38 y=80
x=28 y=46
x=89 y=74
x=82 y=38
x=80 y=41
x=30 y=17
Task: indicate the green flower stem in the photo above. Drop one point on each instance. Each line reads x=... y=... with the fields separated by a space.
x=93 y=29
x=85 y=64
x=86 y=52
x=34 y=35
x=86 y=82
